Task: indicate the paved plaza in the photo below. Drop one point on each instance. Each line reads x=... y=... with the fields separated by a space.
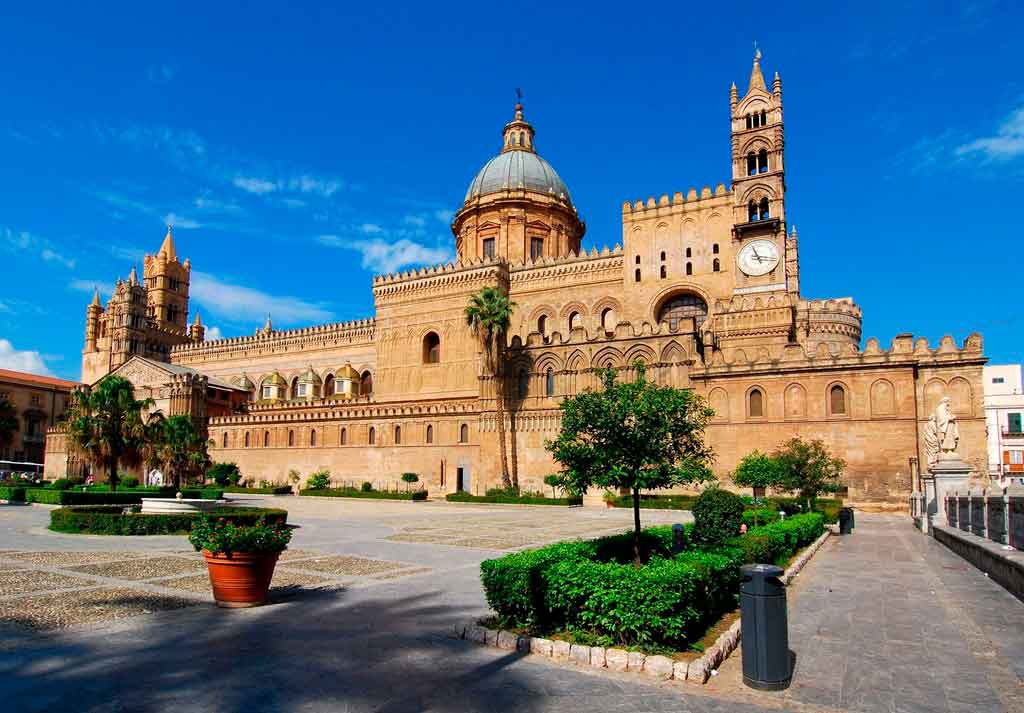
x=885 y=620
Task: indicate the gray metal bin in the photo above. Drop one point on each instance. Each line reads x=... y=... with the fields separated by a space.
x=765 y=628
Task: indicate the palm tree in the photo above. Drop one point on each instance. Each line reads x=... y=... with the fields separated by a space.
x=489 y=314
x=105 y=425
x=179 y=446
x=8 y=422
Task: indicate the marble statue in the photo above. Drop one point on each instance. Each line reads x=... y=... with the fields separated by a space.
x=942 y=434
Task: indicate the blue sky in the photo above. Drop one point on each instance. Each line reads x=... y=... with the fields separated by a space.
x=300 y=149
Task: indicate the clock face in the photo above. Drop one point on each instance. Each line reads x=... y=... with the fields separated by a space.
x=758 y=257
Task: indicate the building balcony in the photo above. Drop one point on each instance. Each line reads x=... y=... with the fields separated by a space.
x=1007 y=433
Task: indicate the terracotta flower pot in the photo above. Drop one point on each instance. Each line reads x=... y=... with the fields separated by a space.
x=241 y=580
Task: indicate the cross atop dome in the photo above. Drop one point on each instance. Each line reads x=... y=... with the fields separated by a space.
x=518 y=134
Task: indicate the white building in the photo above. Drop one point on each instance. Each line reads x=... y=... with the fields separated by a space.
x=1004 y=413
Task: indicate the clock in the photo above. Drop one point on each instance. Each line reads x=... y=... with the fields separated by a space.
x=758 y=257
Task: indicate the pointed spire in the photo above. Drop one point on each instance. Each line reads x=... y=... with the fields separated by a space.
x=756 y=78
x=95 y=297
x=167 y=249
x=197 y=322
x=777 y=84
x=518 y=133
x=269 y=326
x=133 y=277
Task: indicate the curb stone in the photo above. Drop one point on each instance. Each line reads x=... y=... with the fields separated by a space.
x=696 y=672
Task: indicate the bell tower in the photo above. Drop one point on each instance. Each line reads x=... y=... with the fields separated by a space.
x=759 y=188
x=167 y=283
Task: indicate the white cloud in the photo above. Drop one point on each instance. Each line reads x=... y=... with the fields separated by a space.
x=4 y=307
x=370 y=228
x=254 y=185
x=1006 y=144
x=53 y=256
x=180 y=146
x=213 y=333
x=23 y=241
x=240 y=303
x=311 y=184
x=333 y=240
x=17 y=360
x=293 y=202
x=178 y=221
x=445 y=216
x=418 y=220
x=212 y=205
x=387 y=256
x=105 y=288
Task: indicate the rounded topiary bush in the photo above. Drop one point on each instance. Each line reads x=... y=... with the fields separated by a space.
x=717 y=516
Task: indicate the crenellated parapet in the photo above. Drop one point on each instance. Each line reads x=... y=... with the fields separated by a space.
x=834 y=322
x=678 y=203
x=270 y=342
x=593 y=267
x=355 y=410
x=460 y=276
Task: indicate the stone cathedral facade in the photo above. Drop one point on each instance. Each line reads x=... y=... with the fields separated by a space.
x=705 y=290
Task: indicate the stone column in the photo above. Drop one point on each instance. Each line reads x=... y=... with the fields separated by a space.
x=946 y=476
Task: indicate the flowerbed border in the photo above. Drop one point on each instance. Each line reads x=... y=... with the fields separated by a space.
x=659 y=667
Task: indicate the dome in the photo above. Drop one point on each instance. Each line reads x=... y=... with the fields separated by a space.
x=310 y=377
x=347 y=372
x=244 y=382
x=276 y=379
x=514 y=170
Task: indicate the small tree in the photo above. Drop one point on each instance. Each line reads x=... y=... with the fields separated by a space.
x=760 y=472
x=105 y=425
x=180 y=447
x=553 y=481
x=224 y=473
x=633 y=434
x=319 y=480
x=293 y=478
x=409 y=479
x=809 y=469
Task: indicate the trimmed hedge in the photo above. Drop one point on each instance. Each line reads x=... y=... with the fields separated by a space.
x=13 y=494
x=512 y=499
x=417 y=495
x=120 y=497
x=99 y=520
x=829 y=507
x=591 y=588
x=655 y=502
x=272 y=490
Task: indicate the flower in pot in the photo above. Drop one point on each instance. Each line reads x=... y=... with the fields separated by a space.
x=240 y=558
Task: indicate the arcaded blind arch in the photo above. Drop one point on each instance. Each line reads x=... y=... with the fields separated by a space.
x=795 y=398
x=464 y=433
x=246 y=439
x=373 y=436
x=542 y=325
x=343 y=438
x=575 y=321
x=312 y=438
x=291 y=438
x=549 y=382
x=683 y=306
x=608 y=320
x=430 y=433
x=266 y=439
x=224 y=440
x=883 y=398
x=366 y=383
x=398 y=435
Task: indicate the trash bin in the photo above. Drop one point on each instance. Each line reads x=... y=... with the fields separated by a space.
x=845 y=521
x=764 y=628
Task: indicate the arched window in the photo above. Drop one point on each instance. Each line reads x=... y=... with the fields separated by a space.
x=637 y=260
x=312 y=438
x=762 y=161
x=689 y=252
x=291 y=438
x=714 y=248
x=295 y=387
x=464 y=433
x=751 y=211
x=549 y=382
x=431 y=348
x=662 y=254
x=344 y=436
x=575 y=321
x=373 y=436
x=224 y=443
x=246 y=439
x=751 y=164
x=328 y=385
x=664 y=272
x=764 y=118
x=542 y=324
x=636 y=275
x=837 y=400
x=398 y=435
x=755 y=403
x=689 y=268
x=750 y=122
x=365 y=384
x=608 y=320
x=764 y=209
x=523 y=381
x=266 y=439
x=430 y=434
x=715 y=265
x=681 y=307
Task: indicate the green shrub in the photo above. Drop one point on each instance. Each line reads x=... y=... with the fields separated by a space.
x=513 y=499
x=366 y=487
x=61 y=484
x=829 y=507
x=226 y=537
x=655 y=502
x=717 y=516
x=509 y=492
x=105 y=497
x=777 y=542
x=271 y=490
x=224 y=473
x=755 y=517
x=100 y=520
x=320 y=479
x=410 y=478
x=417 y=495
x=129 y=482
x=12 y=493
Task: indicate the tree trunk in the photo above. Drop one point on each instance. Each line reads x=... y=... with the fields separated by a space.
x=515 y=450
x=112 y=474
x=499 y=401
x=636 y=528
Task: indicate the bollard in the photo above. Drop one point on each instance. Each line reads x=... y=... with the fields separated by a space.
x=845 y=521
x=678 y=539
x=764 y=628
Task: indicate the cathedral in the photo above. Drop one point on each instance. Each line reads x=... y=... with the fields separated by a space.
x=704 y=290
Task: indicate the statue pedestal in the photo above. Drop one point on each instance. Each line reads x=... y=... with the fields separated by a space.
x=945 y=477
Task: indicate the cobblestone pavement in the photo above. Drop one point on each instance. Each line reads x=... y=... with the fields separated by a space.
x=885 y=620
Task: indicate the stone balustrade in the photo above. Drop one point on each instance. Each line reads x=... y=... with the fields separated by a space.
x=994 y=514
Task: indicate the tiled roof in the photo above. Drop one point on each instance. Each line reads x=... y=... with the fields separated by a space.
x=36 y=379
